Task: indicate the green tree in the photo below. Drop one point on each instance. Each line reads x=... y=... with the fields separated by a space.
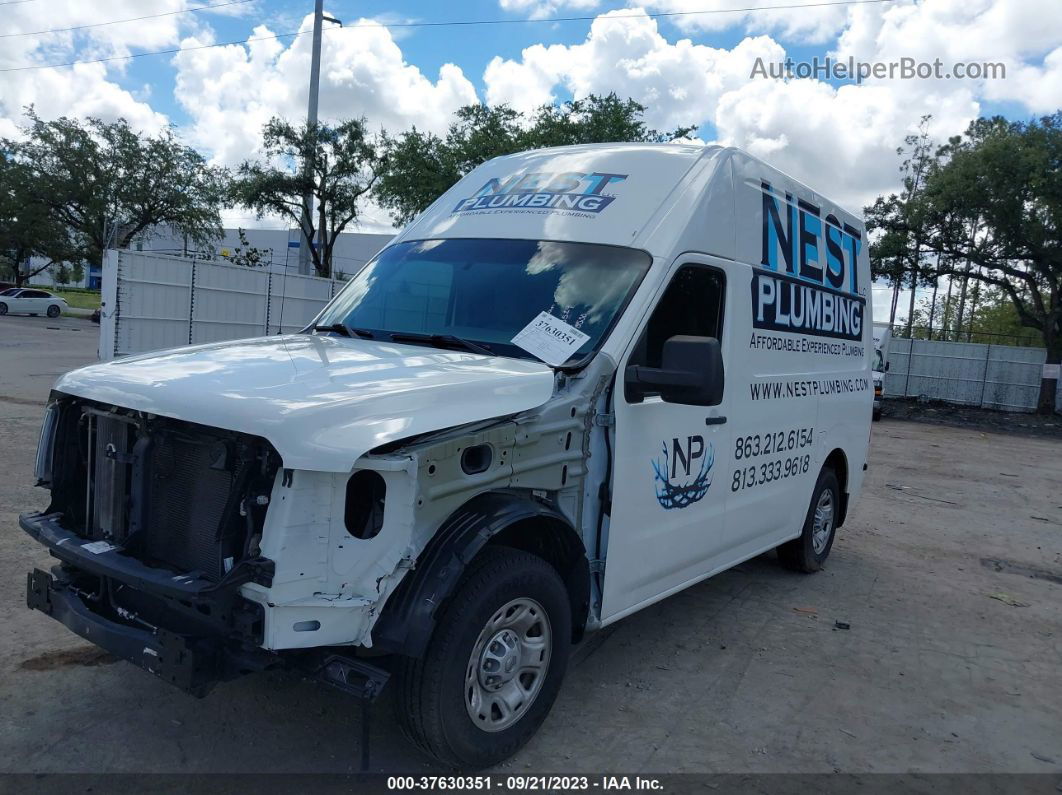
x=61 y=274
x=595 y=119
x=1003 y=180
x=422 y=166
x=888 y=245
x=28 y=228
x=249 y=256
x=346 y=166
x=992 y=320
x=995 y=320
x=898 y=251
x=105 y=183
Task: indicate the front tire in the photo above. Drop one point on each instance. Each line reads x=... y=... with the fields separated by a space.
x=809 y=551
x=54 y=310
x=494 y=664
x=3 y=308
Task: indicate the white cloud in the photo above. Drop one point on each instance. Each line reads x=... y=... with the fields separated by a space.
x=230 y=92
x=540 y=9
x=1039 y=88
x=810 y=25
x=1023 y=36
x=849 y=134
x=88 y=89
x=842 y=140
x=78 y=92
x=624 y=52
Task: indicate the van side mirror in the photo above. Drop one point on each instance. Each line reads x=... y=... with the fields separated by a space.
x=690 y=372
x=886 y=367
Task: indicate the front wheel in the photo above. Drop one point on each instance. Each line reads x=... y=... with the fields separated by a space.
x=494 y=664
x=3 y=308
x=54 y=310
x=809 y=551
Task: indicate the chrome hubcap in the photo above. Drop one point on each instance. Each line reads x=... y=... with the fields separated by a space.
x=508 y=665
x=823 y=522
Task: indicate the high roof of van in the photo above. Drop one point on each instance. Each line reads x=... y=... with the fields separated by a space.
x=656 y=197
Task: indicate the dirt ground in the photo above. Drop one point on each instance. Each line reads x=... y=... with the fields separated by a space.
x=947 y=577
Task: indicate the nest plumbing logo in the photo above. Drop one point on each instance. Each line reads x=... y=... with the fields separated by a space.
x=568 y=190
x=809 y=282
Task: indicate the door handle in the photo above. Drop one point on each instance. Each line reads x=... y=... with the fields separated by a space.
x=714 y=420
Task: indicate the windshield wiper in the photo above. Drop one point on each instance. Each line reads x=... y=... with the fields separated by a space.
x=345 y=330
x=442 y=341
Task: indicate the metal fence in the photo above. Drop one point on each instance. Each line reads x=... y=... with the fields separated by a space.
x=153 y=301
x=1000 y=377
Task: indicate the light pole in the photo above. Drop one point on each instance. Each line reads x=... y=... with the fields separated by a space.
x=311 y=122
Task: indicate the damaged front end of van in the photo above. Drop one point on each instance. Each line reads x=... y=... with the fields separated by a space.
x=238 y=506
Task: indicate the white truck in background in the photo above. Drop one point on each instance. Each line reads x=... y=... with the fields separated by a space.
x=882 y=335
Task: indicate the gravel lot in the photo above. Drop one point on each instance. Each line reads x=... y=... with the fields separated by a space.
x=949 y=575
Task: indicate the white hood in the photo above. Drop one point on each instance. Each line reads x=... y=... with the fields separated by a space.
x=322 y=401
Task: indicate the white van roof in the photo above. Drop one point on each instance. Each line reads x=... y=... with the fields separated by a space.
x=656 y=197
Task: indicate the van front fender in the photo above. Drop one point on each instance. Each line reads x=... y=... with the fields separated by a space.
x=408 y=618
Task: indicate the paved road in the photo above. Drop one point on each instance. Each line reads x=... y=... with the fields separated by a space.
x=746 y=672
x=34 y=351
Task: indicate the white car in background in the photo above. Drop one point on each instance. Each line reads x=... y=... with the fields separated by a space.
x=30 y=301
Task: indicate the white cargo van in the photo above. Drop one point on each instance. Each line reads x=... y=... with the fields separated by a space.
x=584 y=379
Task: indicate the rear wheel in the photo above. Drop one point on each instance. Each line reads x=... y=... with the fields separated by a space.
x=494 y=664
x=809 y=551
x=54 y=310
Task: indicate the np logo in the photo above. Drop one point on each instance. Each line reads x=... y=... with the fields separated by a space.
x=683 y=472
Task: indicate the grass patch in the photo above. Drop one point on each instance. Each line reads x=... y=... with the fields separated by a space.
x=80 y=299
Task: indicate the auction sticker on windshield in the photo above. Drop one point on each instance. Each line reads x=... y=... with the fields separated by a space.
x=550 y=339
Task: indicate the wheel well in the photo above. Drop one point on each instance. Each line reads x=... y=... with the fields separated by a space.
x=503 y=519
x=838 y=462
x=557 y=544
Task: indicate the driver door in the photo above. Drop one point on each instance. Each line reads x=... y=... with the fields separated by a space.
x=668 y=519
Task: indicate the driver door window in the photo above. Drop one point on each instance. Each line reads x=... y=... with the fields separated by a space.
x=691 y=305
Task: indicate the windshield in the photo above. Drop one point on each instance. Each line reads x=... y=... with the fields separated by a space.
x=879 y=361
x=486 y=290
